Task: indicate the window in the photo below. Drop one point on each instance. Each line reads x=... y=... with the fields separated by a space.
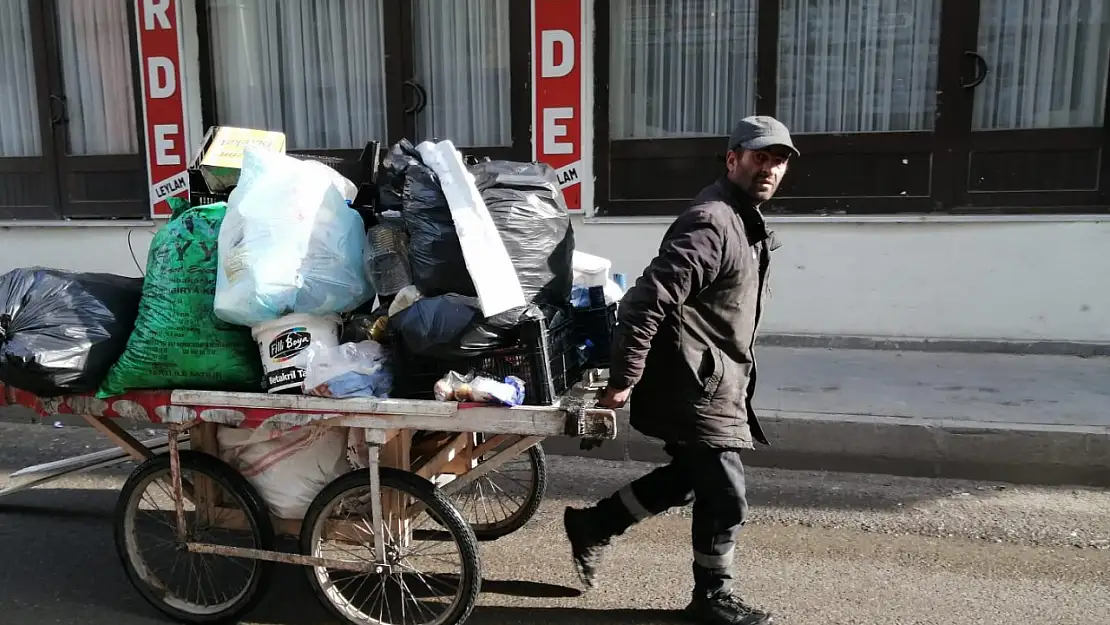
x=898 y=106
x=311 y=69
x=1049 y=64
x=334 y=74
x=685 y=79
x=462 y=56
x=678 y=73
x=69 y=131
x=858 y=65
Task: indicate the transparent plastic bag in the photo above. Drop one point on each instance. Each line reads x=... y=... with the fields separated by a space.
x=289 y=243
x=481 y=389
x=348 y=370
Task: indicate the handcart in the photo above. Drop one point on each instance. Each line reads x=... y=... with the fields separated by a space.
x=384 y=544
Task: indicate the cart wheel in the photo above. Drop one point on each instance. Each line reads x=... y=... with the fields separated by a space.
x=505 y=499
x=434 y=573
x=193 y=587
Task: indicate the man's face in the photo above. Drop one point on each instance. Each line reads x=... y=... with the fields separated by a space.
x=758 y=172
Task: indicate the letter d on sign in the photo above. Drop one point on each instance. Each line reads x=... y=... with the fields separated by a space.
x=162 y=76
x=566 y=44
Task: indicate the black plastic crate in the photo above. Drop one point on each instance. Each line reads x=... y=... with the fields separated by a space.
x=596 y=325
x=204 y=199
x=544 y=358
x=351 y=169
x=362 y=170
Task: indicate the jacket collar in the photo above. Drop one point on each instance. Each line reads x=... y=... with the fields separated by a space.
x=746 y=209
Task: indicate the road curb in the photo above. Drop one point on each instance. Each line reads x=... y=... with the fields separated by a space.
x=913 y=447
x=910 y=344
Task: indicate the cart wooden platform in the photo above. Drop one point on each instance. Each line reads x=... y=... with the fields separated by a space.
x=385 y=544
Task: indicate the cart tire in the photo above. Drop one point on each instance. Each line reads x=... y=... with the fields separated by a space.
x=247 y=499
x=443 y=511
x=485 y=532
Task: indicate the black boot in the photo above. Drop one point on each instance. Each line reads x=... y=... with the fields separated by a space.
x=724 y=608
x=588 y=543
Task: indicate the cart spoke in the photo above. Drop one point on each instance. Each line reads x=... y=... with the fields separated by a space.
x=188 y=583
x=412 y=588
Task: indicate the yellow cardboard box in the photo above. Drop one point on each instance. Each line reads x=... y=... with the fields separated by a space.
x=221 y=153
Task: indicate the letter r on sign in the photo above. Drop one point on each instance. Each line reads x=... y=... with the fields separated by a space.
x=156 y=10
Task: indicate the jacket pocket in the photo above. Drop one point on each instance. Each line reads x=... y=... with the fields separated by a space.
x=713 y=383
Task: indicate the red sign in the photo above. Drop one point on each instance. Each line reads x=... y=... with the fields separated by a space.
x=163 y=104
x=557 y=109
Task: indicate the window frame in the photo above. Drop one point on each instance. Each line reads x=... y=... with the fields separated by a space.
x=941 y=159
x=400 y=66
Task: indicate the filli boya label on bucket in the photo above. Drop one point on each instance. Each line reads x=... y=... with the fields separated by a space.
x=284 y=349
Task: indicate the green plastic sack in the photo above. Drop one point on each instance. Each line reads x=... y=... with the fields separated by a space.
x=178 y=342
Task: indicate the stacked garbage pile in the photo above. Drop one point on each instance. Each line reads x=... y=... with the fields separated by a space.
x=488 y=250
x=288 y=286
x=452 y=280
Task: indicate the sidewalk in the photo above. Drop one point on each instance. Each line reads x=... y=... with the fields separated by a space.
x=1038 y=419
x=1035 y=419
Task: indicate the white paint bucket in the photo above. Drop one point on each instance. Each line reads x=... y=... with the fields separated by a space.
x=283 y=344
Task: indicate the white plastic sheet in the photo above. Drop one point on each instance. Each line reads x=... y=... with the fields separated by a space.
x=487 y=260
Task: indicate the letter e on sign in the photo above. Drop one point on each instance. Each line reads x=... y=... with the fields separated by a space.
x=163 y=106
x=557 y=47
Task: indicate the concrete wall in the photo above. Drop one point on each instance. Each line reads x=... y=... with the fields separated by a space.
x=1013 y=280
x=1016 y=280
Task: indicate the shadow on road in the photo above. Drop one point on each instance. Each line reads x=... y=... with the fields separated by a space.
x=574 y=616
x=290 y=602
x=574 y=479
x=59 y=504
x=535 y=590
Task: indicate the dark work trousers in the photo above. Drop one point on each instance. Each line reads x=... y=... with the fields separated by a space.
x=713 y=479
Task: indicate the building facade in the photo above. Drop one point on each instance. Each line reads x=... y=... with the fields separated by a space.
x=952 y=182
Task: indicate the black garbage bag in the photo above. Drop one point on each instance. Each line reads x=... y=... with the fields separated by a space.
x=526 y=205
x=60 y=331
x=435 y=254
x=451 y=326
x=393 y=172
x=530 y=213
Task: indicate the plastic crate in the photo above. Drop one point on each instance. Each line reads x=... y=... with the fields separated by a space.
x=362 y=171
x=204 y=199
x=596 y=325
x=351 y=169
x=546 y=359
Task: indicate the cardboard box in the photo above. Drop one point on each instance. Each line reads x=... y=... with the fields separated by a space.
x=220 y=157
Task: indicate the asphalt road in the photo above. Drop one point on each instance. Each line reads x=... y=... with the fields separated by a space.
x=822 y=548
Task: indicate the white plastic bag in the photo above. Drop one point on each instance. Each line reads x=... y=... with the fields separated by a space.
x=289 y=243
x=348 y=370
x=288 y=469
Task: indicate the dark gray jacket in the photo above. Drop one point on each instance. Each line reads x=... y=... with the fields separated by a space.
x=686 y=329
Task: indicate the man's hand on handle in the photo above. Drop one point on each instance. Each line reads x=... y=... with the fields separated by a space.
x=607 y=398
x=613 y=398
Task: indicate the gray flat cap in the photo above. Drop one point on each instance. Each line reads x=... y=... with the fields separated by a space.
x=759 y=132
